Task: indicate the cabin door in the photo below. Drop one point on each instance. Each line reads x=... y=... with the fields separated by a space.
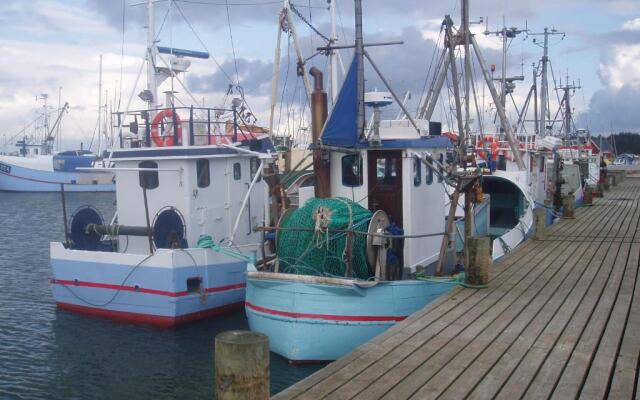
x=385 y=183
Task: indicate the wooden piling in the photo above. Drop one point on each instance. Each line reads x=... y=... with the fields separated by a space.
x=241 y=366
x=539 y=223
x=568 y=206
x=587 y=196
x=600 y=189
x=614 y=180
x=607 y=182
x=477 y=272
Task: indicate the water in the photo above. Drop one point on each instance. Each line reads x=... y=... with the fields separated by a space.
x=46 y=353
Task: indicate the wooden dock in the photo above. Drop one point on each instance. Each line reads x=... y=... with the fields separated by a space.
x=560 y=319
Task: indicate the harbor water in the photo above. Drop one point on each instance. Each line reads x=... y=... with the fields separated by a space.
x=46 y=353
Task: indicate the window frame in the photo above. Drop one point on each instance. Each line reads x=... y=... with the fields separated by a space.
x=356 y=180
x=144 y=180
x=203 y=180
x=237 y=171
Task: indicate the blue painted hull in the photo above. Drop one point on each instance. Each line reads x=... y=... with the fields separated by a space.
x=309 y=322
x=19 y=179
x=147 y=293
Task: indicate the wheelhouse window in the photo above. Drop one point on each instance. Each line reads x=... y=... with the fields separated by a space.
x=254 y=164
x=203 y=173
x=352 y=170
x=429 y=178
x=148 y=179
x=441 y=168
x=417 y=171
x=237 y=171
x=387 y=171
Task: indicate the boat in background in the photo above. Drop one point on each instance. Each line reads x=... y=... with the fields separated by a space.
x=34 y=167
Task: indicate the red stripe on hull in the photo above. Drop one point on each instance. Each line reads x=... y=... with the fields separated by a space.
x=143 y=290
x=148 y=319
x=326 y=317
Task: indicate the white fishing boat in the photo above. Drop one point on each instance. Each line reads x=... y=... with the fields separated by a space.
x=189 y=194
x=35 y=167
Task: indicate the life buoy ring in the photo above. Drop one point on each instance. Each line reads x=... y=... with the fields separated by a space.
x=166 y=139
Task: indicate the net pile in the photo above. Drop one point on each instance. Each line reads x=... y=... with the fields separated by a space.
x=320 y=250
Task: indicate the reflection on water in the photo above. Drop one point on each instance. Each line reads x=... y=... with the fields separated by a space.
x=53 y=354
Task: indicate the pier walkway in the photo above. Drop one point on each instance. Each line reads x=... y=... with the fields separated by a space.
x=560 y=319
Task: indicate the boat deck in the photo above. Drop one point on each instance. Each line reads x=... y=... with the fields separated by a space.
x=560 y=319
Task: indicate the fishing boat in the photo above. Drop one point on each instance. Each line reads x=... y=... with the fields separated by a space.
x=189 y=194
x=34 y=167
x=357 y=256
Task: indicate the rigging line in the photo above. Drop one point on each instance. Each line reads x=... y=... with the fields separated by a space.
x=233 y=47
x=202 y=43
x=286 y=78
x=426 y=78
x=313 y=28
x=209 y=3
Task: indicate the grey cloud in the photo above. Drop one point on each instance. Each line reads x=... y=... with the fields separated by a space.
x=253 y=76
x=612 y=108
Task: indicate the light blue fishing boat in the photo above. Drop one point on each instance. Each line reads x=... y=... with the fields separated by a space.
x=349 y=260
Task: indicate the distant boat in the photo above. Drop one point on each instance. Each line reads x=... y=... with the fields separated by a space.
x=45 y=173
x=34 y=167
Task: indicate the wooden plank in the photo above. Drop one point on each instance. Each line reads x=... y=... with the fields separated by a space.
x=508 y=326
x=516 y=367
x=561 y=347
x=513 y=343
x=575 y=372
x=601 y=369
x=519 y=372
x=399 y=379
x=624 y=376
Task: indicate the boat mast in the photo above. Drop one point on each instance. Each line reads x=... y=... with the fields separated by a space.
x=360 y=60
x=544 y=85
x=152 y=85
x=100 y=105
x=333 y=55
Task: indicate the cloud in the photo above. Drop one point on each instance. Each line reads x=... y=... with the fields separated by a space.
x=613 y=109
x=254 y=76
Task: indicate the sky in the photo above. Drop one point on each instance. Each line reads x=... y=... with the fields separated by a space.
x=54 y=47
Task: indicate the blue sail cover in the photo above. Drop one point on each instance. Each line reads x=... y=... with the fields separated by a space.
x=341 y=129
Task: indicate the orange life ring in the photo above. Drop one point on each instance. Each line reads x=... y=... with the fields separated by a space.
x=167 y=139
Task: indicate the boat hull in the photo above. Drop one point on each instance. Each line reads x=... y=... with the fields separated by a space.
x=312 y=322
x=147 y=289
x=19 y=179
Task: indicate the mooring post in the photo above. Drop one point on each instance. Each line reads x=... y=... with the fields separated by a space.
x=600 y=189
x=587 y=196
x=539 y=222
x=477 y=272
x=241 y=366
x=568 y=206
x=607 y=182
x=614 y=179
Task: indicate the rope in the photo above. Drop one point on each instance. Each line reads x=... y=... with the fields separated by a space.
x=457 y=279
x=313 y=28
x=117 y=291
x=233 y=48
x=206 y=242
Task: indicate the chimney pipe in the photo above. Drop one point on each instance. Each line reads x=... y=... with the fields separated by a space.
x=318 y=118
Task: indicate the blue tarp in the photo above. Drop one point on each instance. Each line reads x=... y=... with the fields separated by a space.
x=341 y=129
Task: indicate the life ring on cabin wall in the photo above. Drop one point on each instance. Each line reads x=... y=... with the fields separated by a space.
x=166 y=117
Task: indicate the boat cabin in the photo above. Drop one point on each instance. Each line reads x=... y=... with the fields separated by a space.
x=182 y=190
